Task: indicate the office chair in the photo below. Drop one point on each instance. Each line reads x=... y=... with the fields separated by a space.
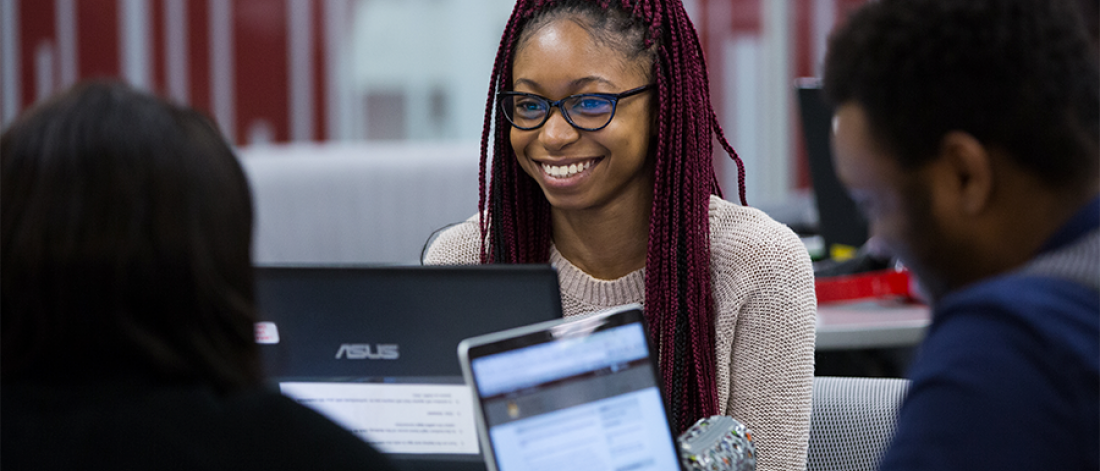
x=852 y=422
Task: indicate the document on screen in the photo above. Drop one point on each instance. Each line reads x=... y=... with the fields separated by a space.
x=396 y=418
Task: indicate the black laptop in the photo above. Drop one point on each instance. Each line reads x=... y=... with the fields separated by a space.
x=374 y=348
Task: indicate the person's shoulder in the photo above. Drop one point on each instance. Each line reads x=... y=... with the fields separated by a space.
x=1024 y=295
x=1038 y=326
x=739 y=231
x=139 y=424
x=1052 y=311
x=457 y=244
x=1000 y=352
x=746 y=223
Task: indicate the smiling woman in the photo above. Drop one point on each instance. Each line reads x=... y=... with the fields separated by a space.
x=602 y=130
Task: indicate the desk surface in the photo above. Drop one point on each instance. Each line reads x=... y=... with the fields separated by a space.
x=870 y=325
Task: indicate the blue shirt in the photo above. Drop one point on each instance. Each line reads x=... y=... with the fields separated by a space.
x=1008 y=375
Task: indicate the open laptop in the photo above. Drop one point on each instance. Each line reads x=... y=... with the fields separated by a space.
x=570 y=394
x=839 y=221
x=373 y=348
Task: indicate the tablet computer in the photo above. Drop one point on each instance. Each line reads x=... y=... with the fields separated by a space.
x=570 y=394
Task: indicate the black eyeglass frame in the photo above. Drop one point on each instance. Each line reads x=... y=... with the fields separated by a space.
x=612 y=97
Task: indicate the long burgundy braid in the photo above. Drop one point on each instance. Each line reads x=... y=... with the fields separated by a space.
x=515 y=222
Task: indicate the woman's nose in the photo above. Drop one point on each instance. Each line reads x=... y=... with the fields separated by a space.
x=556 y=132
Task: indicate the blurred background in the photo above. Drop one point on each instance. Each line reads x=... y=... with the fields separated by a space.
x=366 y=82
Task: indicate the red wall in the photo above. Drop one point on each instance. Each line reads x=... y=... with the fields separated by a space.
x=746 y=19
x=259 y=82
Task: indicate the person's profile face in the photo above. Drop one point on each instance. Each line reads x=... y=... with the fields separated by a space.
x=579 y=169
x=895 y=202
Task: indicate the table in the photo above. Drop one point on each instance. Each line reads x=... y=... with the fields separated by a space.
x=870 y=324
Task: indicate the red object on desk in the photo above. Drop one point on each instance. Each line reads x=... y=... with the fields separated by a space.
x=870 y=285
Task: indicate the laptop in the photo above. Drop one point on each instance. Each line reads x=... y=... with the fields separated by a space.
x=373 y=348
x=839 y=221
x=570 y=394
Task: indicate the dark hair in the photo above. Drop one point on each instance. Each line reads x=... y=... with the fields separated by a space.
x=608 y=27
x=1090 y=12
x=1019 y=75
x=516 y=223
x=126 y=242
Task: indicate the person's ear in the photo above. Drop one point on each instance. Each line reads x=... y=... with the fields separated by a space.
x=967 y=169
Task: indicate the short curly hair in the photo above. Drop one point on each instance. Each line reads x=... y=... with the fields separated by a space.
x=1021 y=76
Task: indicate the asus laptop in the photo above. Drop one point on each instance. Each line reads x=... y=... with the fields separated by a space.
x=570 y=394
x=373 y=348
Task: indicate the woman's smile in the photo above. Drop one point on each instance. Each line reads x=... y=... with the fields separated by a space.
x=565 y=173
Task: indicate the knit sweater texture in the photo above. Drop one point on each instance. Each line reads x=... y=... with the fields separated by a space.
x=763 y=287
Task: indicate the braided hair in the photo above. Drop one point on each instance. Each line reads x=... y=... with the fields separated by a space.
x=515 y=222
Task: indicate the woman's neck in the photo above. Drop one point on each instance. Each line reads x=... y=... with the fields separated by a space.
x=607 y=242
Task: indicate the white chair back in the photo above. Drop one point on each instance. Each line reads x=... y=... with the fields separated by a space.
x=853 y=421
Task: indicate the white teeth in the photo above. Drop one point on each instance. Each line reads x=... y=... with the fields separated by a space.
x=566 y=171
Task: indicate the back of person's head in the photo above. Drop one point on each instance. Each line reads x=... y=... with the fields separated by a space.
x=657 y=36
x=1090 y=12
x=1020 y=76
x=126 y=239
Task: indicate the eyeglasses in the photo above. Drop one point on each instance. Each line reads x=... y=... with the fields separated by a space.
x=587 y=111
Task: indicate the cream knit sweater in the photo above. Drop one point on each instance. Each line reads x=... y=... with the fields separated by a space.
x=763 y=287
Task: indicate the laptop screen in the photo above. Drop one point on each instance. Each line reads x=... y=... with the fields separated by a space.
x=373 y=348
x=838 y=218
x=573 y=395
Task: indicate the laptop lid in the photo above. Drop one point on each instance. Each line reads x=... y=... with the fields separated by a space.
x=373 y=348
x=839 y=221
x=570 y=394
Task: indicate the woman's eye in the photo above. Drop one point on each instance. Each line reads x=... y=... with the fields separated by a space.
x=592 y=105
x=529 y=107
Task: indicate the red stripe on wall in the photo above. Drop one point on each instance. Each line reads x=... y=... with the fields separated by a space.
x=159 y=55
x=36 y=27
x=746 y=17
x=844 y=8
x=803 y=67
x=261 y=63
x=803 y=38
x=320 y=76
x=97 y=40
x=198 y=55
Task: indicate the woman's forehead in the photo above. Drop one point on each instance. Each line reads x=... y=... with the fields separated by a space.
x=562 y=50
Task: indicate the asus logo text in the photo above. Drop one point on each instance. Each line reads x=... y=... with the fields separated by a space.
x=366 y=351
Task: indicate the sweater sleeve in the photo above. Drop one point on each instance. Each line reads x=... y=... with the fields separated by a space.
x=764 y=291
x=456 y=245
